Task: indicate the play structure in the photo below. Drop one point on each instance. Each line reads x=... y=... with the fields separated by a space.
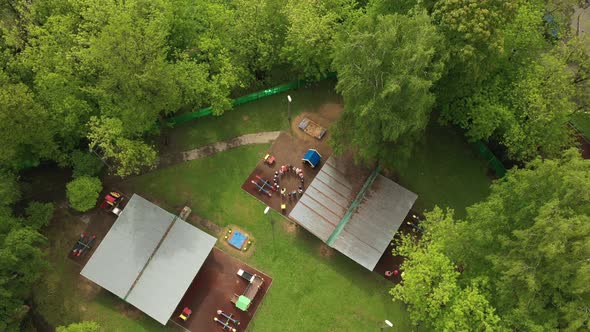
x=416 y=224
x=185 y=314
x=312 y=157
x=312 y=129
x=263 y=186
x=83 y=245
x=111 y=202
x=238 y=240
x=243 y=301
x=226 y=321
x=269 y=160
x=395 y=272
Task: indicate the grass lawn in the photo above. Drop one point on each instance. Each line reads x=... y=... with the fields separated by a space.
x=267 y=114
x=446 y=171
x=582 y=122
x=63 y=296
x=310 y=291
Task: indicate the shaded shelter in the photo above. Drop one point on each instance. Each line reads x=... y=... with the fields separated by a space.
x=358 y=222
x=149 y=258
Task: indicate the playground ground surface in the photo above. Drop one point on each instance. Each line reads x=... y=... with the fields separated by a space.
x=212 y=289
x=287 y=150
x=98 y=222
x=99 y=225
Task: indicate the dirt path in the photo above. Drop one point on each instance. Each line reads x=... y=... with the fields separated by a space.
x=208 y=150
x=211 y=149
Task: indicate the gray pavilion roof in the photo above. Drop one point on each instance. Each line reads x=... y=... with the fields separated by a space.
x=358 y=223
x=149 y=258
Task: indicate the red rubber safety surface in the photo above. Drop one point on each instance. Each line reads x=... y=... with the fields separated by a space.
x=287 y=150
x=212 y=289
x=389 y=262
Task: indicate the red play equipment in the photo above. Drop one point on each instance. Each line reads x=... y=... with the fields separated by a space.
x=269 y=160
x=111 y=202
x=185 y=314
x=83 y=245
x=390 y=273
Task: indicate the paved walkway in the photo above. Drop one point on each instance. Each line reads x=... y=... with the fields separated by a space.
x=211 y=149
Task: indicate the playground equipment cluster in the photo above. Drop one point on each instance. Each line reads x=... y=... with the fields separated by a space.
x=265 y=186
x=83 y=245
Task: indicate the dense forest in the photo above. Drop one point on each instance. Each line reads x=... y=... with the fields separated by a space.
x=85 y=82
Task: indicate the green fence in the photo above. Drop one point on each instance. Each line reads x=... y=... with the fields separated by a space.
x=489 y=156
x=182 y=118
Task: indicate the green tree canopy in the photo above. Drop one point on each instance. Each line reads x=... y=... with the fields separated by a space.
x=386 y=68
x=526 y=246
x=21 y=265
x=529 y=94
x=38 y=214
x=22 y=125
x=309 y=44
x=83 y=192
x=129 y=155
x=432 y=289
x=84 y=163
x=9 y=189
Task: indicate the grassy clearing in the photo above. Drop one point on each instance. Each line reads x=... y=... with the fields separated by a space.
x=446 y=171
x=582 y=122
x=64 y=297
x=267 y=114
x=310 y=292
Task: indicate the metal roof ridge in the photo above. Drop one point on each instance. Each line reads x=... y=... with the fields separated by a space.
x=352 y=207
x=151 y=256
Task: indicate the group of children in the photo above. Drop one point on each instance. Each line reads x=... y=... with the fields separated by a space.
x=284 y=169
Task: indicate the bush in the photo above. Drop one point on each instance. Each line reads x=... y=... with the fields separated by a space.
x=83 y=192
x=79 y=327
x=85 y=164
x=9 y=190
x=39 y=214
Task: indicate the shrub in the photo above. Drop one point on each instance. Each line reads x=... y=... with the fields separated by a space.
x=85 y=164
x=79 y=327
x=83 y=192
x=39 y=214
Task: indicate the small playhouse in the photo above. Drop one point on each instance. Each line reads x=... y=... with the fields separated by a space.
x=312 y=157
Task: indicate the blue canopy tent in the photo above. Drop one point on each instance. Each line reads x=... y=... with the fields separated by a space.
x=312 y=157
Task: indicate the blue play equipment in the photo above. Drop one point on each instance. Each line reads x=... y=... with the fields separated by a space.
x=238 y=239
x=312 y=157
